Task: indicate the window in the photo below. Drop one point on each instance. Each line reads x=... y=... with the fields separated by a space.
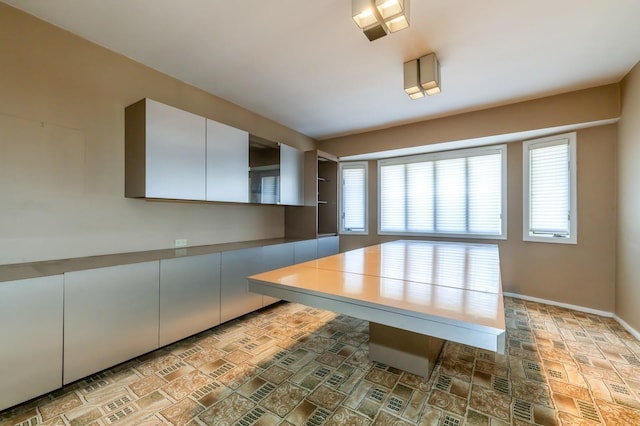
x=353 y=192
x=549 y=175
x=457 y=193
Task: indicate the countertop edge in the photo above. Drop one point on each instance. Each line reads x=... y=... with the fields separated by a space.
x=22 y=271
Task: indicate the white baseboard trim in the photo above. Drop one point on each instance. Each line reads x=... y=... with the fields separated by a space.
x=562 y=305
x=626 y=326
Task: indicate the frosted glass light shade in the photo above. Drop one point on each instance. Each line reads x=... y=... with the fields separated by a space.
x=394 y=13
x=397 y=24
x=412 y=80
x=389 y=8
x=363 y=13
x=430 y=74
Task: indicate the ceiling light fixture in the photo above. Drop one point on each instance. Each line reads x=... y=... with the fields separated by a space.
x=422 y=75
x=376 y=18
x=412 y=80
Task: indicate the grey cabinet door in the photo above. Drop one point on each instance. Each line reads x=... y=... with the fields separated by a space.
x=31 y=338
x=227 y=163
x=328 y=246
x=305 y=250
x=110 y=316
x=189 y=296
x=274 y=257
x=291 y=176
x=175 y=153
x=235 y=298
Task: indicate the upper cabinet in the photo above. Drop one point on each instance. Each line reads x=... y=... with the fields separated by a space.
x=164 y=153
x=291 y=176
x=174 y=154
x=264 y=171
x=227 y=163
x=276 y=173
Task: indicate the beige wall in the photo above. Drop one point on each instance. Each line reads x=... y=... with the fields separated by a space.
x=628 y=253
x=62 y=103
x=582 y=106
x=582 y=274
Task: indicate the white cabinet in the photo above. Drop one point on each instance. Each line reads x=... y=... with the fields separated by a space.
x=291 y=176
x=328 y=246
x=165 y=152
x=174 y=154
x=189 y=296
x=31 y=336
x=110 y=316
x=274 y=257
x=227 y=163
x=235 y=298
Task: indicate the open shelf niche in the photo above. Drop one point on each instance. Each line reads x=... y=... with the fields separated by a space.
x=319 y=215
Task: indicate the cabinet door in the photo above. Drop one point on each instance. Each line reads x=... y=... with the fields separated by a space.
x=235 y=298
x=189 y=296
x=328 y=246
x=274 y=257
x=31 y=336
x=304 y=251
x=291 y=176
x=227 y=163
x=110 y=316
x=175 y=153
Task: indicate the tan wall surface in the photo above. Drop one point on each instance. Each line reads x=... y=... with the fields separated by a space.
x=628 y=253
x=582 y=274
x=62 y=152
x=582 y=106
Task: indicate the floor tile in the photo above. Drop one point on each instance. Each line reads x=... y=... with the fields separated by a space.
x=292 y=365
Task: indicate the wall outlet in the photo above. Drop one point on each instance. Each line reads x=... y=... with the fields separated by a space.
x=180 y=243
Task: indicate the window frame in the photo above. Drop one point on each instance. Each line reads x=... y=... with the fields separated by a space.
x=573 y=186
x=354 y=165
x=445 y=155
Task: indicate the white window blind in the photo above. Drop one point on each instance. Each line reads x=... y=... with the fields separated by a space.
x=353 y=197
x=549 y=176
x=270 y=190
x=457 y=193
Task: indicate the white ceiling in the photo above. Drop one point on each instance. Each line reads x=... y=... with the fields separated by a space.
x=306 y=65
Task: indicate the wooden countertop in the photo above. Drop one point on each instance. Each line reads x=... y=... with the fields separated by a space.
x=21 y=271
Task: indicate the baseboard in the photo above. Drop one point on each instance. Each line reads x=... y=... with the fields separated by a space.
x=562 y=305
x=620 y=321
x=627 y=327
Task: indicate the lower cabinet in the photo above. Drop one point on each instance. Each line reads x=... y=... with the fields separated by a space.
x=274 y=257
x=305 y=250
x=110 y=316
x=60 y=329
x=235 y=298
x=328 y=246
x=31 y=336
x=189 y=296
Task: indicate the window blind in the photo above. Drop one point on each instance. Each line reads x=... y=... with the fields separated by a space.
x=354 y=199
x=457 y=193
x=549 y=187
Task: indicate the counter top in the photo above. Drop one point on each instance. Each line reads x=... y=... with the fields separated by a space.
x=20 y=271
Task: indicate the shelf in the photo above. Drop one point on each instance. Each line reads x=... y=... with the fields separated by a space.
x=323 y=202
